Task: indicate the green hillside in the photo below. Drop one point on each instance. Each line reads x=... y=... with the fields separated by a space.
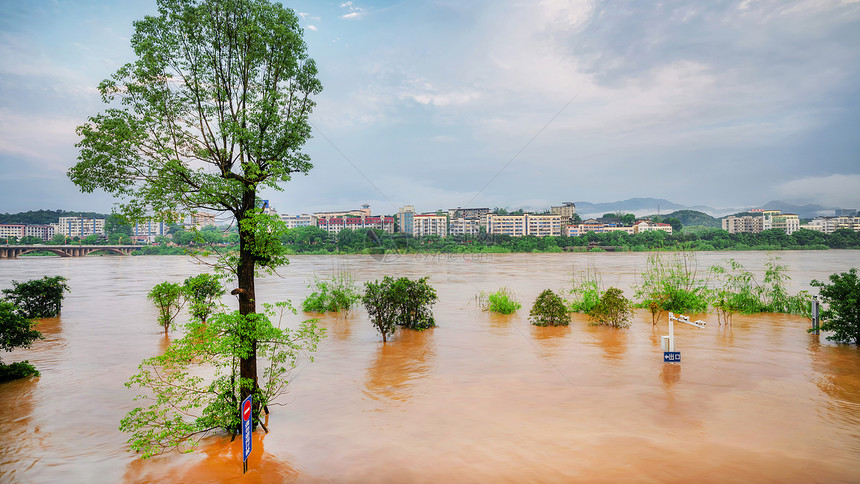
x=44 y=217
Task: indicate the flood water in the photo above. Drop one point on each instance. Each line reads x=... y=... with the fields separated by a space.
x=481 y=398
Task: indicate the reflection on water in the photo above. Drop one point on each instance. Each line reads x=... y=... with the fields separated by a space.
x=481 y=398
x=399 y=364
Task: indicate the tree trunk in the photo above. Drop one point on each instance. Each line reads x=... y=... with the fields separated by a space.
x=247 y=302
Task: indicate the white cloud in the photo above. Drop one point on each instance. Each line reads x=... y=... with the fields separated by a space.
x=312 y=27
x=354 y=12
x=836 y=189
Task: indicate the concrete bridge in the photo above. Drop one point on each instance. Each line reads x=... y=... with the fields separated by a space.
x=13 y=251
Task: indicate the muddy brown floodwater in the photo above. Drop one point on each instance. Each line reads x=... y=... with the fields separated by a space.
x=480 y=398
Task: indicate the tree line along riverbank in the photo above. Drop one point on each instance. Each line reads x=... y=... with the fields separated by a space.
x=313 y=240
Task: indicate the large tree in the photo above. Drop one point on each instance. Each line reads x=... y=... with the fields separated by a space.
x=214 y=109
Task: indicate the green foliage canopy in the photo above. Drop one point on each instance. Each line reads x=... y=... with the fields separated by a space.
x=842 y=297
x=549 y=310
x=16 y=331
x=38 y=298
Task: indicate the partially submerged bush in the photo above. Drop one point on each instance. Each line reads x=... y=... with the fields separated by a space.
x=549 y=310
x=585 y=291
x=738 y=291
x=16 y=331
x=167 y=297
x=337 y=294
x=404 y=302
x=842 y=315
x=673 y=285
x=502 y=301
x=613 y=309
x=200 y=292
x=39 y=298
x=17 y=370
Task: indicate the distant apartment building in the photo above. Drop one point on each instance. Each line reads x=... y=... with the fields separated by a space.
x=567 y=210
x=334 y=225
x=429 y=224
x=479 y=214
x=525 y=224
x=602 y=227
x=364 y=211
x=44 y=232
x=544 y=225
x=198 y=220
x=303 y=220
x=828 y=225
x=513 y=225
x=80 y=226
x=648 y=226
x=464 y=226
x=405 y=218
x=12 y=230
x=775 y=219
x=149 y=230
x=744 y=224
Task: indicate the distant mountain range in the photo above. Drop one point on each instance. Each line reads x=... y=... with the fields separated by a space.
x=652 y=206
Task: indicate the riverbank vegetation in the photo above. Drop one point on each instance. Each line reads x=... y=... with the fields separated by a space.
x=842 y=300
x=404 y=302
x=336 y=294
x=502 y=301
x=549 y=310
x=313 y=240
x=38 y=298
x=16 y=331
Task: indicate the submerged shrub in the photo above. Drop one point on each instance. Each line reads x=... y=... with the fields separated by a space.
x=337 y=294
x=672 y=285
x=17 y=370
x=613 y=309
x=201 y=291
x=585 y=291
x=738 y=291
x=502 y=301
x=403 y=302
x=39 y=298
x=549 y=310
x=16 y=331
x=167 y=297
x=842 y=315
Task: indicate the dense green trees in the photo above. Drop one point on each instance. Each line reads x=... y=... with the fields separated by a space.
x=549 y=310
x=842 y=313
x=391 y=302
x=38 y=298
x=16 y=331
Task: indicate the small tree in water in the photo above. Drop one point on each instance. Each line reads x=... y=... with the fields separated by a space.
x=16 y=331
x=549 y=310
x=167 y=297
x=200 y=292
x=842 y=297
x=613 y=309
x=399 y=302
x=39 y=298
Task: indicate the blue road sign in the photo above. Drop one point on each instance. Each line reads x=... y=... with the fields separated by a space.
x=246 y=428
x=671 y=357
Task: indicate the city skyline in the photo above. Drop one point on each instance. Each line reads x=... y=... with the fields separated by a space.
x=496 y=103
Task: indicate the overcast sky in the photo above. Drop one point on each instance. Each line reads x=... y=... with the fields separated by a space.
x=445 y=103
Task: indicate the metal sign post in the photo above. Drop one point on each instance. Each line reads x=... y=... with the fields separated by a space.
x=667 y=343
x=815 y=315
x=247 y=414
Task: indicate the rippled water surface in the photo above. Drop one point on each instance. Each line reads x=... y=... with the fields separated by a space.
x=480 y=398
